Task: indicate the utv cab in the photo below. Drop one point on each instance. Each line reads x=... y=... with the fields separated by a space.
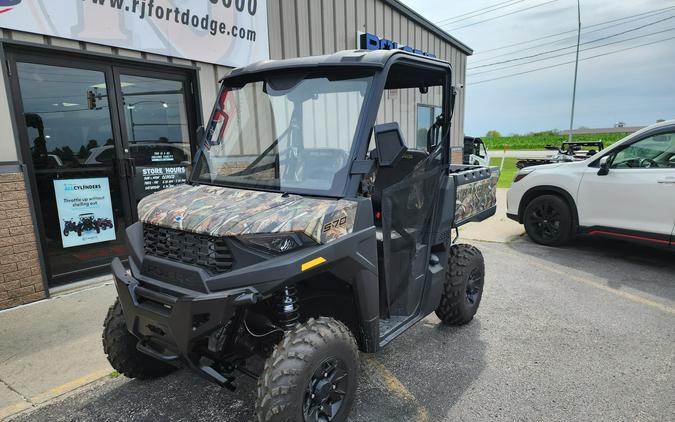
x=308 y=231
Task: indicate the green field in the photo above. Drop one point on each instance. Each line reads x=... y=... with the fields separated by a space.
x=539 y=141
x=509 y=170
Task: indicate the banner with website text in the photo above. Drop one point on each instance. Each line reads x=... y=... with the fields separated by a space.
x=225 y=32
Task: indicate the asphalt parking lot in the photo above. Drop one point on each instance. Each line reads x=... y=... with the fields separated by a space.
x=584 y=332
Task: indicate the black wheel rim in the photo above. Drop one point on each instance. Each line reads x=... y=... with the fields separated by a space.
x=326 y=391
x=473 y=286
x=545 y=220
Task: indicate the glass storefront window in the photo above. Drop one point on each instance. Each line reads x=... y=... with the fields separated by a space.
x=67 y=115
x=157 y=132
x=426 y=115
x=93 y=154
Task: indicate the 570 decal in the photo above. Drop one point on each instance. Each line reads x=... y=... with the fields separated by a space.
x=335 y=224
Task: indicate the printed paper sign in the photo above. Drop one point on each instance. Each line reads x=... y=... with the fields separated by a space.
x=153 y=179
x=85 y=211
x=225 y=32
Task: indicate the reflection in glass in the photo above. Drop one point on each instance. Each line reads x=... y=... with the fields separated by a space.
x=67 y=115
x=158 y=132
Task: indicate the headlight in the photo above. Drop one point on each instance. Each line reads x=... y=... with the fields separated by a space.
x=521 y=174
x=277 y=243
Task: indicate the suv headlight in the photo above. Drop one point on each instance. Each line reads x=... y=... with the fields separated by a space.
x=521 y=174
x=277 y=243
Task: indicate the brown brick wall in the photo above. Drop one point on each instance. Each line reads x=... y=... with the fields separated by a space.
x=20 y=275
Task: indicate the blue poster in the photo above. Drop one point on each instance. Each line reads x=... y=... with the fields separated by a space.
x=85 y=211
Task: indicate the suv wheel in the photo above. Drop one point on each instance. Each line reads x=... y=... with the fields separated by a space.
x=463 y=287
x=311 y=375
x=119 y=346
x=548 y=220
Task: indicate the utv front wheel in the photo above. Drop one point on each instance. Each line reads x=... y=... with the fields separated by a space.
x=463 y=287
x=119 y=346
x=311 y=375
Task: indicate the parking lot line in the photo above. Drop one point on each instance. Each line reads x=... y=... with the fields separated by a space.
x=70 y=386
x=13 y=408
x=59 y=390
x=398 y=389
x=598 y=285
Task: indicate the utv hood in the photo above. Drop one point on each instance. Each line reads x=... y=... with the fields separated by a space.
x=219 y=212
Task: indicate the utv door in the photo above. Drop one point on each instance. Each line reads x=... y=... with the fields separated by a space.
x=407 y=211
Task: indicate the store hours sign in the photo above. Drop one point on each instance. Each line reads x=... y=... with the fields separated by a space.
x=85 y=211
x=226 y=32
x=149 y=180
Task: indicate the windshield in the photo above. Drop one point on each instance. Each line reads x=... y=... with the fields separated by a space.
x=291 y=134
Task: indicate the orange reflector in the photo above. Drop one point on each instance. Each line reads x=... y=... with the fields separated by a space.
x=313 y=263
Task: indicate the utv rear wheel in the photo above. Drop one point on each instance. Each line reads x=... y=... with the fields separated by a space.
x=548 y=220
x=119 y=346
x=311 y=375
x=463 y=286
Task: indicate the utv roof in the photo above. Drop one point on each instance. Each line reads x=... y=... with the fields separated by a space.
x=348 y=58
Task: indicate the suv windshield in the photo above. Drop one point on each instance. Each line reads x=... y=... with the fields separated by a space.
x=291 y=133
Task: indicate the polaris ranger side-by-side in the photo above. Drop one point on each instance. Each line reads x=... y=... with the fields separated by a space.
x=296 y=241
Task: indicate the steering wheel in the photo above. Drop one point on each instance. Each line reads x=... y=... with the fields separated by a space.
x=648 y=163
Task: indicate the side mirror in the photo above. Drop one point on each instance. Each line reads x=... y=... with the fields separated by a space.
x=604 y=166
x=389 y=144
x=434 y=134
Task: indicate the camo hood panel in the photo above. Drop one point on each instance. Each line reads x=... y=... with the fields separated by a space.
x=219 y=211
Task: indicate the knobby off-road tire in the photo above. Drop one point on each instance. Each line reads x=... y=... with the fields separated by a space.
x=119 y=346
x=311 y=359
x=463 y=287
x=548 y=220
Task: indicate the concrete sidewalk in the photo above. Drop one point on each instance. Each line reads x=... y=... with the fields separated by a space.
x=51 y=347
x=497 y=228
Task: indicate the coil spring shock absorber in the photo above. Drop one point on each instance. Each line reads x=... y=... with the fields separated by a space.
x=288 y=307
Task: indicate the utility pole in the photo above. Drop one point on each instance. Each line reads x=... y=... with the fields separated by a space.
x=576 y=69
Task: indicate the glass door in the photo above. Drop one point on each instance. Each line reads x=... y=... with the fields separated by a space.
x=156 y=129
x=97 y=138
x=72 y=150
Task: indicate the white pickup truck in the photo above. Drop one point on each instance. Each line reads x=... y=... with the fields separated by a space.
x=626 y=191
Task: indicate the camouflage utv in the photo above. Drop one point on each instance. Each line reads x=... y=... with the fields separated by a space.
x=307 y=233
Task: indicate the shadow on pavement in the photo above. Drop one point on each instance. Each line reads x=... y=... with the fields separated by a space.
x=621 y=263
x=434 y=363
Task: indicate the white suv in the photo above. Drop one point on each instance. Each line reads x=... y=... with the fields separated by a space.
x=626 y=190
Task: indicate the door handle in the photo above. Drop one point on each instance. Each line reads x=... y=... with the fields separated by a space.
x=130 y=167
x=668 y=181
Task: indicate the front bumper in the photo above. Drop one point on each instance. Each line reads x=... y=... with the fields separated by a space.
x=167 y=325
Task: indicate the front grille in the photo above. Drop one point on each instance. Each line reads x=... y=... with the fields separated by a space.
x=208 y=252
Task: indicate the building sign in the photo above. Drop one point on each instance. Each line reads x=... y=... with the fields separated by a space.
x=152 y=179
x=369 y=41
x=85 y=211
x=225 y=32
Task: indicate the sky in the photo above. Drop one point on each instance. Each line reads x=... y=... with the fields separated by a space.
x=636 y=86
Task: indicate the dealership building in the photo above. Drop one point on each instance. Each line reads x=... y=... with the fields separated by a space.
x=100 y=102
